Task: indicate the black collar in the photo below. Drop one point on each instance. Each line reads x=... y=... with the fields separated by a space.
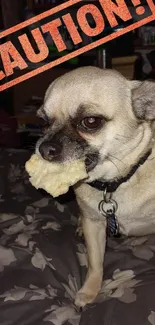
x=112 y=186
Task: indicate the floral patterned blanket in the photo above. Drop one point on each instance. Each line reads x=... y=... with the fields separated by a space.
x=43 y=263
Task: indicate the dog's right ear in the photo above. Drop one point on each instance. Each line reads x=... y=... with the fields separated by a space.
x=143 y=99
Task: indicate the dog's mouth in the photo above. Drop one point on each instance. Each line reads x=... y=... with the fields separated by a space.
x=91 y=162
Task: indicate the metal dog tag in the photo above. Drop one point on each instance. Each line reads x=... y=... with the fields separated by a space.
x=108 y=207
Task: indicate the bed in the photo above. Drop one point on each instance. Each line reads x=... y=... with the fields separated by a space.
x=43 y=262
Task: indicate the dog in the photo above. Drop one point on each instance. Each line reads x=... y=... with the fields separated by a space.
x=109 y=121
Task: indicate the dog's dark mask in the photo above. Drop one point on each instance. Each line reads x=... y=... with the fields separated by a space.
x=66 y=145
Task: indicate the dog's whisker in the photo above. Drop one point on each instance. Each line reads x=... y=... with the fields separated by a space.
x=123 y=136
x=92 y=160
x=117 y=159
x=114 y=165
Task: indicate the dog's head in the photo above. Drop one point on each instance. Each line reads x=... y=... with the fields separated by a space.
x=100 y=116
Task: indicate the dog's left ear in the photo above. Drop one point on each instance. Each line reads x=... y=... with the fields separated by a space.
x=143 y=99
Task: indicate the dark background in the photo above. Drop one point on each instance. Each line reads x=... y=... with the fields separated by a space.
x=133 y=54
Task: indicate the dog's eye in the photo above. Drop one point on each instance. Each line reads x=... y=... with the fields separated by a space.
x=45 y=127
x=92 y=122
x=46 y=124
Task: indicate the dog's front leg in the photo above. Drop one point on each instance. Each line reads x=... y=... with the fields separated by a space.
x=95 y=237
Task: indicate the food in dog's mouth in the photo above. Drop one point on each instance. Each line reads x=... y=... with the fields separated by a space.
x=91 y=162
x=55 y=178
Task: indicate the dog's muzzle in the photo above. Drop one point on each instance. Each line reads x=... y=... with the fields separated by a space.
x=53 y=151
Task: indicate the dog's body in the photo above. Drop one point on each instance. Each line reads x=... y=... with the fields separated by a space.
x=101 y=116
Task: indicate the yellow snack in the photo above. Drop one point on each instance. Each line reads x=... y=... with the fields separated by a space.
x=54 y=178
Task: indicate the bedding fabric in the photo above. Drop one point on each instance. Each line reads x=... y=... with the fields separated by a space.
x=43 y=263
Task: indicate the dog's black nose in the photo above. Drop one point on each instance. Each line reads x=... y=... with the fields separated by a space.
x=49 y=150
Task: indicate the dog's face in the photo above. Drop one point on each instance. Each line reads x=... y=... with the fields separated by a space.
x=99 y=116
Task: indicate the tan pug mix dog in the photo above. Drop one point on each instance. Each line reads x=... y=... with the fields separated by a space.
x=109 y=120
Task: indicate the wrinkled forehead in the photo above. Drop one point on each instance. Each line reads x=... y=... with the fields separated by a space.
x=68 y=97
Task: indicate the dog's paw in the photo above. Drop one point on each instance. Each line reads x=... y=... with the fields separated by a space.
x=84 y=298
